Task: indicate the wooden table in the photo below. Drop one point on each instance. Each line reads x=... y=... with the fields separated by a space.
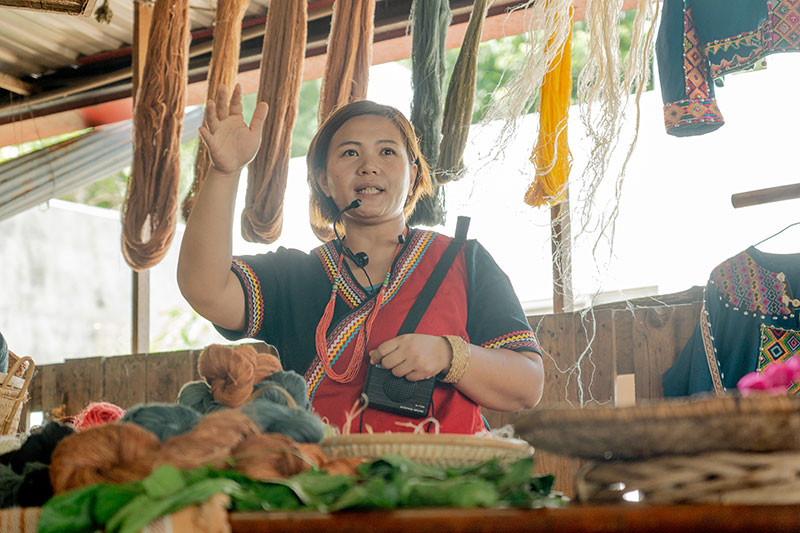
x=577 y=518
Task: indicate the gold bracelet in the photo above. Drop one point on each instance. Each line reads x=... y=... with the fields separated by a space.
x=460 y=360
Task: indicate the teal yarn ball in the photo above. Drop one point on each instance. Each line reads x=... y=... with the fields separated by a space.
x=164 y=420
x=197 y=395
x=290 y=380
x=296 y=423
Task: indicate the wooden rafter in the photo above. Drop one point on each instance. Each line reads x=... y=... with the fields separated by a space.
x=15 y=85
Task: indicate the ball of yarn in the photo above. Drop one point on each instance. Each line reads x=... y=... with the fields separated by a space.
x=210 y=442
x=197 y=395
x=9 y=484
x=231 y=372
x=290 y=380
x=38 y=446
x=110 y=453
x=164 y=420
x=97 y=413
x=35 y=488
x=271 y=417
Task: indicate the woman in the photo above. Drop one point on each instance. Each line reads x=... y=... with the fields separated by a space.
x=329 y=313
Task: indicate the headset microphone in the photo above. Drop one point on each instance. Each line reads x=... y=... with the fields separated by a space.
x=361 y=259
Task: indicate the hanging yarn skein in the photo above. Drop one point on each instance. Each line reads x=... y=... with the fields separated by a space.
x=346 y=74
x=281 y=74
x=221 y=71
x=429 y=22
x=231 y=372
x=150 y=210
x=460 y=98
x=551 y=156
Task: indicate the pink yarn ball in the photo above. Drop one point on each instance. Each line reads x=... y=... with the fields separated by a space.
x=96 y=414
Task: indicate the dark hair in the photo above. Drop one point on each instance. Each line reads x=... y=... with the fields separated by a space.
x=321 y=207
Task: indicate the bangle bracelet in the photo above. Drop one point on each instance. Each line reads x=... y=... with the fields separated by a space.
x=460 y=360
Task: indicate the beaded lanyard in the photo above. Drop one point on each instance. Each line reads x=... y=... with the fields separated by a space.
x=361 y=338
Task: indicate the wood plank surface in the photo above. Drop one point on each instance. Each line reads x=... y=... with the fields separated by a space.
x=575 y=518
x=125 y=380
x=653 y=340
x=167 y=373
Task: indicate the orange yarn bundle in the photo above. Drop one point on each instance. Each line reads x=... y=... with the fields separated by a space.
x=272 y=455
x=551 y=156
x=110 y=453
x=231 y=372
x=151 y=204
x=222 y=71
x=97 y=413
x=281 y=74
x=210 y=442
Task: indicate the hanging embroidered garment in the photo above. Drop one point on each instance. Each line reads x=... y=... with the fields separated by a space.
x=749 y=320
x=702 y=40
x=286 y=293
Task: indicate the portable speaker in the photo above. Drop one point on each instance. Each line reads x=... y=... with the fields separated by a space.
x=396 y=395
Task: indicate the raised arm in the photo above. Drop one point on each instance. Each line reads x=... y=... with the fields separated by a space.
x=204 y=265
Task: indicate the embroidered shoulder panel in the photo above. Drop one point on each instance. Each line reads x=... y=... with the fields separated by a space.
x=750 y=287
x=778 y=344
x=516 y=340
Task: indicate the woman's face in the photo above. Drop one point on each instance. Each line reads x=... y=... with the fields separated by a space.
x=368 y=160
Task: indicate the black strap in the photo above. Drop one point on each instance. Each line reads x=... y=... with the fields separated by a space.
x=437 y=276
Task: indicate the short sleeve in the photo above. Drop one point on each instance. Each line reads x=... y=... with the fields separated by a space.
x=495 y=318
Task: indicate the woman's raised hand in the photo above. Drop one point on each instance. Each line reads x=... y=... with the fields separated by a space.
x=230 y=141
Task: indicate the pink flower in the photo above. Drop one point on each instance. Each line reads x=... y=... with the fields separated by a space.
x=753 y=383
x=793 y=364
x=778 y=375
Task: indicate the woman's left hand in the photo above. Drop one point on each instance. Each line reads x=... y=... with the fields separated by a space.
x=413 y=356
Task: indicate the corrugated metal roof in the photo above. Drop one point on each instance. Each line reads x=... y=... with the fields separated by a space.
x=36 y=42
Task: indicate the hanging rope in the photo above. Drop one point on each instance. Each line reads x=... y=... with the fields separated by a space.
x=151 y=205
x=459 y=100
x=429 y=22
x=551 y=157
x=347 y=63
x=222 y=71
x=281 y=74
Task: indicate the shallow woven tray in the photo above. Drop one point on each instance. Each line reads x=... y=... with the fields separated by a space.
x=679 y=427
x=716 y=477
x=442 y=450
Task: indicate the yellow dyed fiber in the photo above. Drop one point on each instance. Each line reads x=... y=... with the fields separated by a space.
x=551 y=156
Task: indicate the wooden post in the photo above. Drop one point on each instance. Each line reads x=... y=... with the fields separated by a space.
x=763 y=196
x=140 y=286
x=561 y=249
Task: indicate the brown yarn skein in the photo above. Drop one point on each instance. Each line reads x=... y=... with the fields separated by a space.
x=231 y=372
x=269 y=456
x=111 y=453
x=343 y=466
x=210 y=442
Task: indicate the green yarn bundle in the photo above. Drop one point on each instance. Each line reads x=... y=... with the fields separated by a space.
x=197 y=395
x=294 y=422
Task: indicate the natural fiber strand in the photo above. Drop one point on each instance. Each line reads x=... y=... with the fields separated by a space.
x=460 y=98
x=346 y=75
x=551 y=156
x=281 y=75
x=150 y=210
x=222 y=71
x=429 y=22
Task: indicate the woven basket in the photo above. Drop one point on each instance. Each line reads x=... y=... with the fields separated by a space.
x=668 y=427
x=444 y=450
x=14 y=393
x=718 y=477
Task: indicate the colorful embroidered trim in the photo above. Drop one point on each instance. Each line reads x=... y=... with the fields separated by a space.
x=253 y=296
x=694 y=61
x=522 y=339
x=346 y=330
x=711 y=351
x=785 y=21
x=683 y=112
x=778 y=344
x=737 y=52
x=750 y=287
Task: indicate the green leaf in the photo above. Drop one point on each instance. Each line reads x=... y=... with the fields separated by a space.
x=70 y=512
x=517 y=477
x=452 y=493
x=165 y=480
